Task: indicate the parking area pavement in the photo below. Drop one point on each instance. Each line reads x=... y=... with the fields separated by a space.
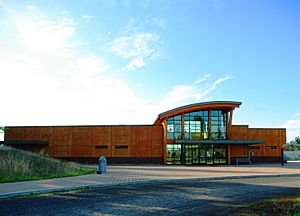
x=131 y=174
x=180 y=197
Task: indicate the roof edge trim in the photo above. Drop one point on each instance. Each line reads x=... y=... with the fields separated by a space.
x=237 y=104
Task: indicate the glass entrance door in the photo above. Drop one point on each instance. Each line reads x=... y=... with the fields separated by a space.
x=195 y=154
x=202 y=153
x=210 y=154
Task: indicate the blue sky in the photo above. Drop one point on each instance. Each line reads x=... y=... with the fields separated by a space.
x=124 y=62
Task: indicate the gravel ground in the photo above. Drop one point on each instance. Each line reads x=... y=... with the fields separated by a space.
x=198 y=197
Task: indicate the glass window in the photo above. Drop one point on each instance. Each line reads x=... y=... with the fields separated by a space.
x=214 y=113
x=174 y=127
x=253 y=147
x=196 y=125
x=223 y=154
x=101 y=147
x=186 y=116
x=218 y=124
x=121 y=147
x=271 y=147
x=173 y=154
x=177 y=118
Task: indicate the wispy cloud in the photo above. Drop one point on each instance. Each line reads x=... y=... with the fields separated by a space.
x=87 y=18
x=298 y=114
x=195 y=92
x=159 y=22
x=203 y=78
x=136 y=63
x=212 y=87
x=138 y=44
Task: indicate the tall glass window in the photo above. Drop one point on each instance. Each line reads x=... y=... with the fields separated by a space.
x=174 y=127
x=196 y=125
x=218 y=124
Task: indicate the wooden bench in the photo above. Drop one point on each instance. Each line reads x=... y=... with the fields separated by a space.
x=242 y=160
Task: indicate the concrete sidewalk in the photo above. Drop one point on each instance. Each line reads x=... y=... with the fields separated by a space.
x=117 y=175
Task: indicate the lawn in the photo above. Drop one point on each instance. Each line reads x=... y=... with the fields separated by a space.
x=19 y=165
x=278 y=206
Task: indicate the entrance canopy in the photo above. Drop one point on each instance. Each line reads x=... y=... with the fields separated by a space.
x=27 y=142
x=236 y=142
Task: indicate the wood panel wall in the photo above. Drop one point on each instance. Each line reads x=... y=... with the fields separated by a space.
x=144 y=141
x=271 y=137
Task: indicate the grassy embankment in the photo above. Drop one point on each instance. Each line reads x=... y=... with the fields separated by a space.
x=18 y=165
x=279 y=206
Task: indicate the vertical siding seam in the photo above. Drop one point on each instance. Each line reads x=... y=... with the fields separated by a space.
x=111 y=141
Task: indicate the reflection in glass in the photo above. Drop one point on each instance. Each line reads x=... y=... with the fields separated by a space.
x=196 y=154
x=196 y=125
x=203 y=154
x=173 y=154
x=209 y=154
x=218 y=124
x=174 y=127
x=223 y=154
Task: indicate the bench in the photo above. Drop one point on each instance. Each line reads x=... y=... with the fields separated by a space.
x=242 y=160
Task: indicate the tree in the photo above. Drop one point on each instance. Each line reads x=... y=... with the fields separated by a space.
x=3 y=129
x=294 y=144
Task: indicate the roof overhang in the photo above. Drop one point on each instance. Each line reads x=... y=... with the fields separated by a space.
x=232 y=142
x=26 y=142
x=230 y=105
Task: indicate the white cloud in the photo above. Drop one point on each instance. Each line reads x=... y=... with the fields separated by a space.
x=136 y=63
x=31 y=7
x=47 y=82
x=85 y=69
x=292 y=124
x=293 y=128
x=87 y=18
x=44 y=36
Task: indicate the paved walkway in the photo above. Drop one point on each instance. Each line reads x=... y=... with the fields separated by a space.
x=117 y=175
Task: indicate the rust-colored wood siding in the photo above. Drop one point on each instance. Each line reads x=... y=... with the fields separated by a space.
x=274 y=137
x=101 y=136
x=144 y=141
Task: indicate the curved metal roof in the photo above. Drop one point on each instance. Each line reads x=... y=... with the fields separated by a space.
x=229 y=104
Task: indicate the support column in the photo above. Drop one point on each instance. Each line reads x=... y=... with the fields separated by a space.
x=164 y=148
x=229 y=123
x=209 y=124
x=182 y=126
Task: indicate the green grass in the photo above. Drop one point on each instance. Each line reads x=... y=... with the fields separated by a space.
x=17 y=165
x=57 y=193
x=278 y=206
